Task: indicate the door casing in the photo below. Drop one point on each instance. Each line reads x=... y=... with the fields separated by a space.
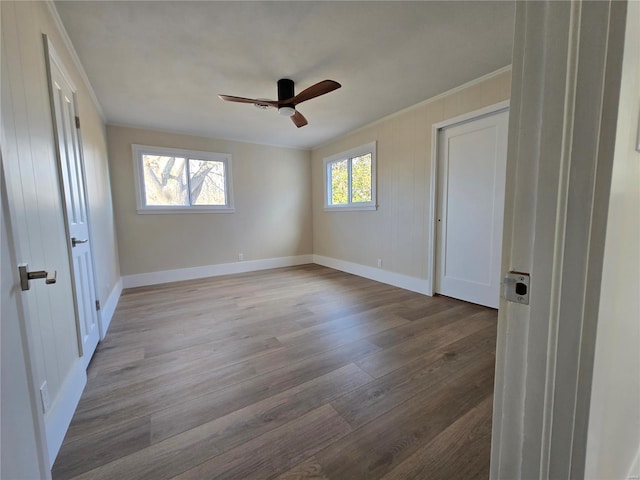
x=433 y=198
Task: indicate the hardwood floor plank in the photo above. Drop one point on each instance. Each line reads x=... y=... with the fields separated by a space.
x=369 y=322
x=195 y=372
x=185 y=361
x=387 y=360
x=435 y=370
x=460 y=451
x=376 y=448
x=298 y=372
x=220 y=402
x=232 y=430
x=158 y=462
x=371 y=298
x=275 y=451
x=256 y=418
x=416 y=308
x=104 y=361
x=317 y=341
x=205 y=340
x=310 y=469
x=123 y=404
x=426 y=323
x=106 y=408
x=92 y=451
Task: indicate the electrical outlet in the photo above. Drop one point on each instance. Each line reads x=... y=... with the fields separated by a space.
x=240 y=257
x=379 y=263
x=44 y=396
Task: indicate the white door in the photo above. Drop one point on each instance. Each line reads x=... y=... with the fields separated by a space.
x=71 y=171
x=471 y=186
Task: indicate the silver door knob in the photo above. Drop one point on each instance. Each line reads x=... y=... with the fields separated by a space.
x=26 y=275
x=75 y=241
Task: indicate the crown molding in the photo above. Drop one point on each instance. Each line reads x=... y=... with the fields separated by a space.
x=74 y=56
x=471 y=83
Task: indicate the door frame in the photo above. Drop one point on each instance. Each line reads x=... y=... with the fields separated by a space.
x=562 y=129
x=433 y=197
x=51 y=55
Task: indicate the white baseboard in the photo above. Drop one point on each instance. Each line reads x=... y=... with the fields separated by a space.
x=166 y=276
x=414 y=284
x=109 y=308
x=58 y=418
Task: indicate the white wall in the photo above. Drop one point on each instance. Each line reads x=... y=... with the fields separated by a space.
x=272 y=198
x=398 y=231
x=614 y=421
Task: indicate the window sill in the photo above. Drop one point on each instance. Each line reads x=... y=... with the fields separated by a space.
x=187 y=210
x=349 y=208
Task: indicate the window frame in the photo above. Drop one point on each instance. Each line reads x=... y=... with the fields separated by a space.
x=141 y=207
x=349 y=155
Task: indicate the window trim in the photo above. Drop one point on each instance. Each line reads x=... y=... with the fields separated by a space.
x=139 y=150
x=349 y=155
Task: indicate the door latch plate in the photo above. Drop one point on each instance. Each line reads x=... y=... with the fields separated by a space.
x=516 y=287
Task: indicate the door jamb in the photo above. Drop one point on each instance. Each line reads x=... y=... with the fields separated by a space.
x=433 y=198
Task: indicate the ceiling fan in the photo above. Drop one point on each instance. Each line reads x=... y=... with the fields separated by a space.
x=287 y=101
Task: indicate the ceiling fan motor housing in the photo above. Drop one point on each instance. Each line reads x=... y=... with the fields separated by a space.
x=285 y=90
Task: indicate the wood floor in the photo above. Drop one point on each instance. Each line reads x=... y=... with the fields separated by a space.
x=294 y=373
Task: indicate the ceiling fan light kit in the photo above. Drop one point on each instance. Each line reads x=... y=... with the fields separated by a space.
x=287 y=111
x=287 y=101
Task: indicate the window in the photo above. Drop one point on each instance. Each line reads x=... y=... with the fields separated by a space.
x=169 y=180
x=350 y=179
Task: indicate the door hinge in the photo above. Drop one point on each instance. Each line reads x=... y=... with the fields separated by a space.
x=77 y=122
x=98 y=305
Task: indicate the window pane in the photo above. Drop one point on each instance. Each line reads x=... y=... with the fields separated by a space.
x=207 y=182
x=361 y=179
x=165 y=180
x=339 y=183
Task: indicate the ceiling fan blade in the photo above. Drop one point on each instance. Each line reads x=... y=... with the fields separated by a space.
x=299 y=119
x=314 y=91
x=255 y=101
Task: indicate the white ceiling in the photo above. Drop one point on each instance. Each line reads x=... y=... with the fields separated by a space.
x=161 y=64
